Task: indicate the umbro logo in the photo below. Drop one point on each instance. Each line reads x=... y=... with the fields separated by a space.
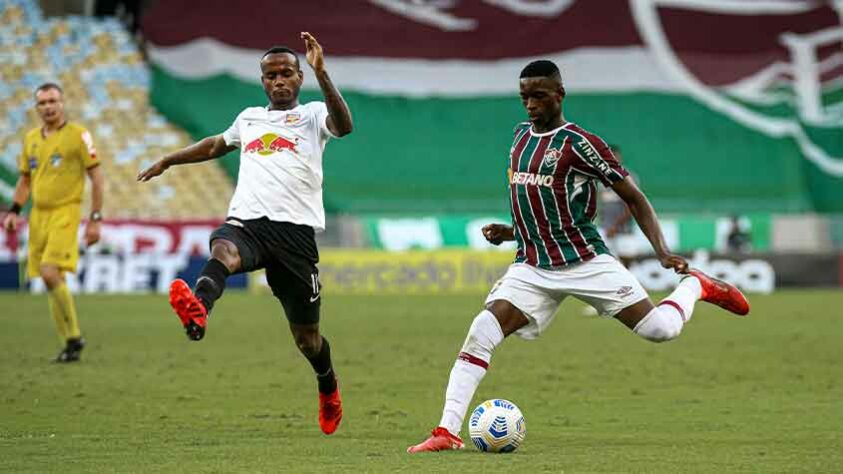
x=624 y=291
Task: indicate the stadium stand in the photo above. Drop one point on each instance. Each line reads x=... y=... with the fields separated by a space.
x=106 y=84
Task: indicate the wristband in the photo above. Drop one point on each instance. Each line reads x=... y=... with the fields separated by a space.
x=16 y=208
x=96 y=216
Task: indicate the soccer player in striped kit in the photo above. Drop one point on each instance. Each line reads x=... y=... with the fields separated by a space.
x=553 y=170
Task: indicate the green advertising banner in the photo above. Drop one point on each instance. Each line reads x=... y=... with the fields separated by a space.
x=683 y=233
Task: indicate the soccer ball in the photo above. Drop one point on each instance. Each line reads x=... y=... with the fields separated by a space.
x=497 y=426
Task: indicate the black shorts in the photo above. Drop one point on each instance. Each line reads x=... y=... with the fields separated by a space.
x=288 y=253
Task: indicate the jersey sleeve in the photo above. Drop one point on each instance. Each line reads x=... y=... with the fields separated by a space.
x=232 y=134
x=24 y=166
x=320 y=112
x=597 y=155
x=87 y=150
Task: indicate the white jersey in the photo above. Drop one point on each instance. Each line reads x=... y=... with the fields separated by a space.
x=280 y=173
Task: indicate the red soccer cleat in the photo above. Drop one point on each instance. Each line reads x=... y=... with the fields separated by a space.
x=191 y=312
x=722 y=294
x=440 y=440
x=330 y=411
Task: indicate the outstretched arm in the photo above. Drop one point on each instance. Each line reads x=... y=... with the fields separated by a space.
x=339 y=116
x=645 y=216
x=206 y=149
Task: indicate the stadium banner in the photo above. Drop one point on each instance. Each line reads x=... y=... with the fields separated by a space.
x=132 y=256
x=121 y=236
x=134 y=273
x=747 y=120
x=371 y=272
x=367 y=272
x=684 y=233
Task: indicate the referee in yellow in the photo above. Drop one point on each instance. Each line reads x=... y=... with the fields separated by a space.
x=53 y=164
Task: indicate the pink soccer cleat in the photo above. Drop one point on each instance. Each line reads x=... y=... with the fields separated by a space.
x=440 y=440
x=723 y=294
x=191 y=311
x=330 y=411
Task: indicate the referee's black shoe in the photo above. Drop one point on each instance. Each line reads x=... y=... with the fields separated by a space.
x=72 y=352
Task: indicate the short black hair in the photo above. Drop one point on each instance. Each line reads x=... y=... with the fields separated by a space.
x=47 y=86
x=282 y=50
x=541 y=68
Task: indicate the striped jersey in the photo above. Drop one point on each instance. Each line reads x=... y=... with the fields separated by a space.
x=553 y=193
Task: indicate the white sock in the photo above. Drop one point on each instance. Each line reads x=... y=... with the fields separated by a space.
x=483 y=336
x=666 y=320
x=683 y=298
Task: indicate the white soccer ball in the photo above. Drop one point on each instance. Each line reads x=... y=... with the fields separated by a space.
x=497 y=426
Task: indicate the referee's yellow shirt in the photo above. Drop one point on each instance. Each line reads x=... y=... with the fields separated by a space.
x=57 y=164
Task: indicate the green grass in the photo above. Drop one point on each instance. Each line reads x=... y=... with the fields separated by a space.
x=760 y=394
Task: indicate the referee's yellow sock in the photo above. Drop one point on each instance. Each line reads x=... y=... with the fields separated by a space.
x=58 y=316
x=64 y=301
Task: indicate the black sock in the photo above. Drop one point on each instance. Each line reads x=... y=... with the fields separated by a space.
x=324 y=370
x=211 y=283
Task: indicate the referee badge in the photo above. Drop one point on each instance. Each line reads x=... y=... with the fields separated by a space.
x=55 y=160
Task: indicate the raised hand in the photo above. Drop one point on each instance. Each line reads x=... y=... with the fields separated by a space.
x=154 y=170
x=314 y=54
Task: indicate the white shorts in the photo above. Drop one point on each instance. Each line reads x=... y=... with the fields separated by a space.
x=601 y=282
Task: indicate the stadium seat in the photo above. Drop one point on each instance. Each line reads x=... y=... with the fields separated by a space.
x=106 y=85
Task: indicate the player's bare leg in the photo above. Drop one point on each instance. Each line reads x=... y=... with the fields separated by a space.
x=193 y=307
x=318 y=352
x=664 y=322
x=487 y=331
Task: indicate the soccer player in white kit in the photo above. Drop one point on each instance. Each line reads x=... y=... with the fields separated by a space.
x=553 y=170
x=276 y=208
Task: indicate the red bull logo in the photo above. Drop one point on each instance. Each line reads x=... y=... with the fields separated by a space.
x=270 y=143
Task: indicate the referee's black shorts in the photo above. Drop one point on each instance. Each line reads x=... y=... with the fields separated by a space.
x=288 y=253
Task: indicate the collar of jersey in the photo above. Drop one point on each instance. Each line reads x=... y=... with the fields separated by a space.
x=44 y=135
x=545 y=134
x=266 y=107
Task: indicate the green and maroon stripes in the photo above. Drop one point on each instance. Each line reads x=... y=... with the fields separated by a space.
x=551 y=209
x=526 y=247
x=537 y=204
x=556 y=212
x=564 y=194
x=582 y=206
x=525 y=209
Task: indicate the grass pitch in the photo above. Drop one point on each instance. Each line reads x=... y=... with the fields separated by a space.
x=760 y=394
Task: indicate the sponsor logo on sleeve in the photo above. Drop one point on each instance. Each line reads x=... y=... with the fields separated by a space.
x=590 y=156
